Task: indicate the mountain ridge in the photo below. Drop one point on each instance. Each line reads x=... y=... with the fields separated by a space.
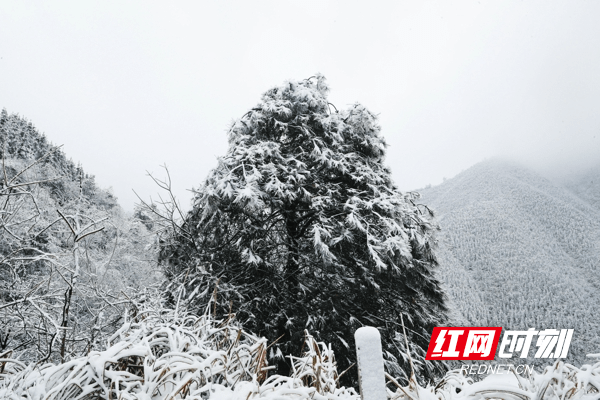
x=20 y=140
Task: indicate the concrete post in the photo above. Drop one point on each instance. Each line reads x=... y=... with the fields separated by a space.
x=370 y=363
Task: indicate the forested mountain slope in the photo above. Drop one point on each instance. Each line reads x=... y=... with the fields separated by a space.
x=519 y=251
x=587 y=186
x=20 y=140
x=69 y=259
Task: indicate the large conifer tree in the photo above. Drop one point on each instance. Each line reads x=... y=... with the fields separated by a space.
x=302 y=227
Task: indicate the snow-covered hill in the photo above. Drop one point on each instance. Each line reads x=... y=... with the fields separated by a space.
x=587 y=186
x=519 y=251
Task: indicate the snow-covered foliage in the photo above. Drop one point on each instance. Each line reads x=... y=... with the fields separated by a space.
x=302 y=227
x=160 y=355
x=163 y=355
x=67 y=256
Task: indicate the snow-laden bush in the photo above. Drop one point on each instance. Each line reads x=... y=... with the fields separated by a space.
x=70 y=263
x=166 y=355
x=161 y=355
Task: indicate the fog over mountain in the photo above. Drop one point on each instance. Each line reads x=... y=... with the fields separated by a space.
x=127 y=87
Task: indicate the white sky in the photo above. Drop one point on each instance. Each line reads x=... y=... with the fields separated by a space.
x=130 y=85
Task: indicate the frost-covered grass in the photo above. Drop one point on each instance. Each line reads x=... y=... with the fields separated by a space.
x=162 y=355
x=165 y=356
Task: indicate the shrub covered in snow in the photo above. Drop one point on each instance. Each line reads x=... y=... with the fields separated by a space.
x=162 y=355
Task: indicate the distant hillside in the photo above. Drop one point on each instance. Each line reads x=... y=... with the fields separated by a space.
x=69 y=260
x=20 y=140
x=518 y=251
x=124 y=239
x=587 y=186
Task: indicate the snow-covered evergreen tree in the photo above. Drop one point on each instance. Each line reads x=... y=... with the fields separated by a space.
x=301 y=227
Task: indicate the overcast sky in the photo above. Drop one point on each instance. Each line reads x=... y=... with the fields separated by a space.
x=128 y=86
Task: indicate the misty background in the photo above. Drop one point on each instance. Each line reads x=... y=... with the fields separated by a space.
x=129 y=86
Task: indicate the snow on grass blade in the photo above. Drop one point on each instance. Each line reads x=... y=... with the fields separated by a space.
x=164 y=356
